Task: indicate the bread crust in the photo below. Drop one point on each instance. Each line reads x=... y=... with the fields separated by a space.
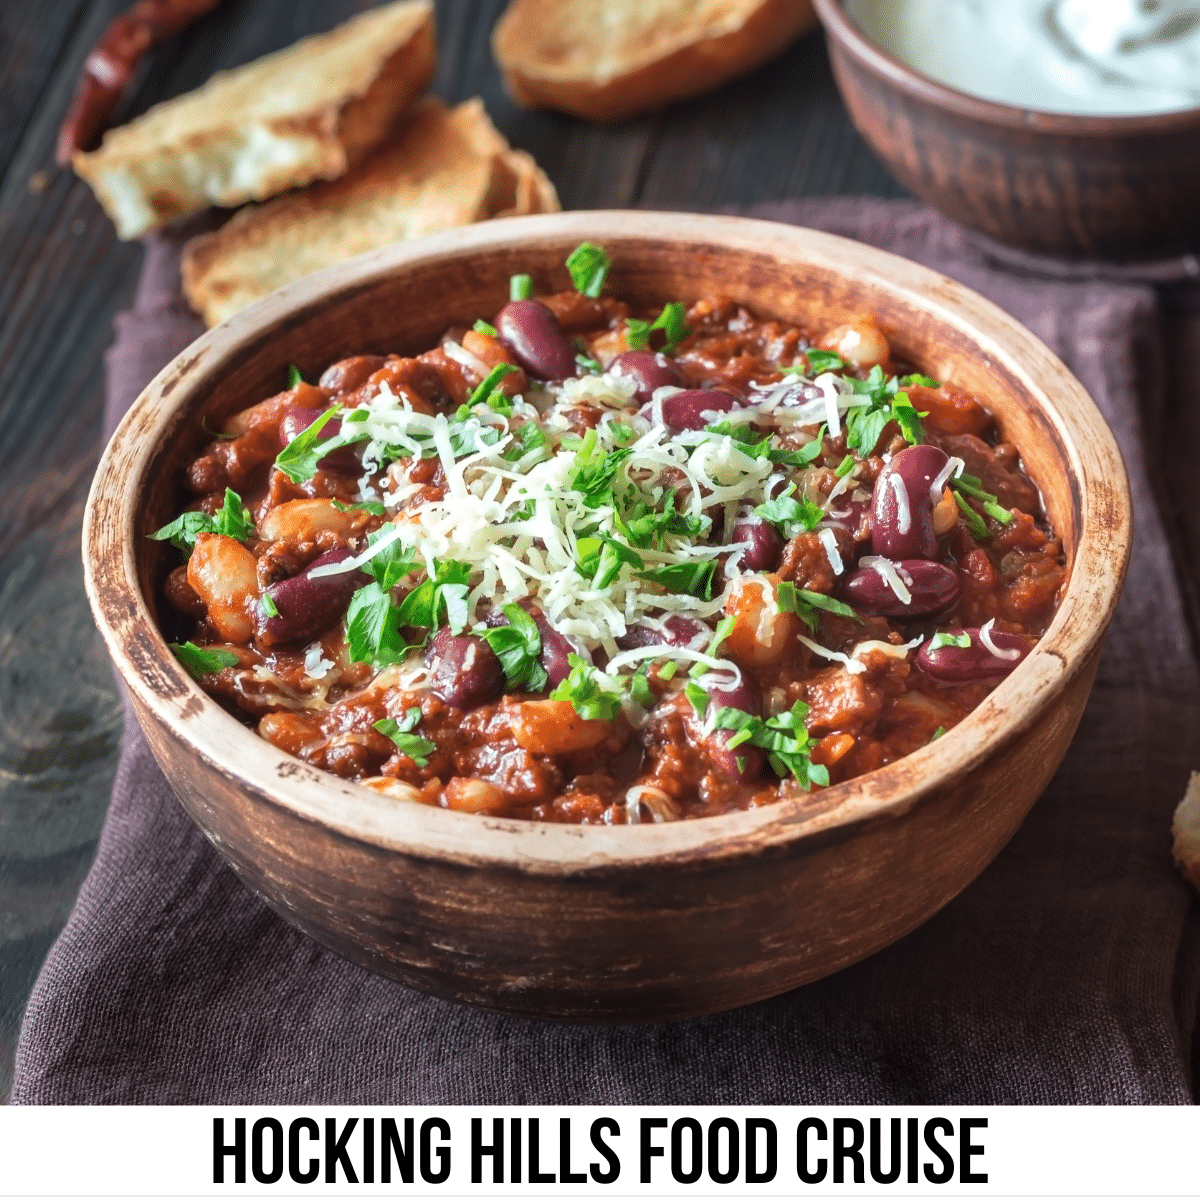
x=441 y=168
x=552 y=55
x=253 y=132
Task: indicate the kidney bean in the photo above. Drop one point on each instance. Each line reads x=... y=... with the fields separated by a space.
x=677 y=630
x=350 y=373
x=344 y=461
x=896 y=534
x=466 y=671
x=746 y=696
x=763 y=546
x=530 y=330
x=973 y=663
x=307 y=606
x=933 y=588
x=648 y=370
x=687 y=409
x=726 y=760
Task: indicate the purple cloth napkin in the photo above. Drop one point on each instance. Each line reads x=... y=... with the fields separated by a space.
x=1068 y=973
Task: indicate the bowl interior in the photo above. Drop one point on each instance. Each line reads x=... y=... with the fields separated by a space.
x=401 y=299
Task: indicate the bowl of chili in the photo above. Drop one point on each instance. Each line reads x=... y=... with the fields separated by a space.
x=794 y=869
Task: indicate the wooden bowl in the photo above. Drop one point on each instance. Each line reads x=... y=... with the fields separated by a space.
x=1075 y=186
x=611 y=923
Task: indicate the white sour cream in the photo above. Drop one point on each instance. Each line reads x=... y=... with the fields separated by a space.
x=1091 y=57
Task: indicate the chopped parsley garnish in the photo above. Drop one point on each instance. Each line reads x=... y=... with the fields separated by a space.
x=820 y=361
x=481 y=326
x=789 y=515
x=640 y=691
x=864 y=423
x=417 y=748
x=971 y=485
x=267 y=604
x=940 y=731
x=961 y=640
x=392 y=563
x=589 y=265
x=697 y=697
x=446 y=591
x=844 y=467
x=199 y=662
x=520 y=287
x=644 y=526
x=583 y=690
x=749 y=443
x=595 y=469
x=918 y=380
x=298 y=459
x=525 y=439
x=671 y=320
x=293 y=376
x=373 y=629
x=975 y=526
x=689 y=579
x=784 y=737
x=486 y=392
x=368 y=506
x=518 y=646
x=601 y=559
x=233 y=520
x=808 y=606
x=590 y=365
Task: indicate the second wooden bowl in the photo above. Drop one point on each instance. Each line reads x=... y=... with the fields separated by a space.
x=601 y=923
x=1080 y=187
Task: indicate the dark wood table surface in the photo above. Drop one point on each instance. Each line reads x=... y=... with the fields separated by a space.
x=779 y=132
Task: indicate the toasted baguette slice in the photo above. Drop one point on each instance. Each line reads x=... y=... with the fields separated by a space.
x=606 y=59
x=444 y=168
x=304 y=113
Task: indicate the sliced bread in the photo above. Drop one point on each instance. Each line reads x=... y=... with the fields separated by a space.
x=304 y=113
x=444 y=168
x=606 y=59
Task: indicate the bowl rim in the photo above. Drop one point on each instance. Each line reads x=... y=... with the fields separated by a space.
x=161 y=688
x=836 y=21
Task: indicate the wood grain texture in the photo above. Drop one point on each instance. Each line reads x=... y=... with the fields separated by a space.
x=551 y=920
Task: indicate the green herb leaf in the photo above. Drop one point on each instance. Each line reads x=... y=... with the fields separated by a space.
x=267 y=603
x=820 y=361
x=640 y=691
x=518 y=646
x=790 y=516
x=672 y=320
x=844 y=467
x=808 y=606
x=417 y=748
x=961 y=640
x=298 y=459
x=919 y=380
x=805 y=456
x=486 y=392
x=687 y=579
x=373 y=628
x=589 y=266
x=370 y=506
x=784 y=737
x=595 y=469
x=293 y=376
x=975 y=526
x=447 y=590
x=520 y=287
x=908 y=419
x=601 y=559
x=697 y=697
x=584 y=692
x=940 y=731
x=232 y=520
x=590 y=365
x=482 y=326
x=971 y=485
x=526 y=439
x=392 y=563
x=199 y=662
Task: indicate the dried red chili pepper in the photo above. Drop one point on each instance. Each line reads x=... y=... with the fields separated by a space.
x=108 y=69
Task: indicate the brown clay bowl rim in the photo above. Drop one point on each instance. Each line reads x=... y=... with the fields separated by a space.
x=991 y=112
x=161 y=687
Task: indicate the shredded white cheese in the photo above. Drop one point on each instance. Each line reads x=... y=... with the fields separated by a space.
x=894 y=575
x=851 y=664
x=985 y=636
x=828 y=540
